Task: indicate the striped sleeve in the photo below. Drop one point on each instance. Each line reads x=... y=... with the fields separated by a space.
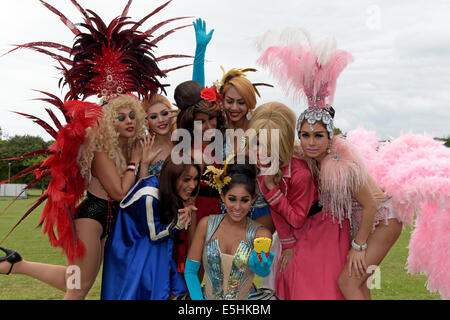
x=284 y=230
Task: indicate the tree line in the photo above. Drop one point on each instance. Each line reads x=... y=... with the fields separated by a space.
x=16 y=146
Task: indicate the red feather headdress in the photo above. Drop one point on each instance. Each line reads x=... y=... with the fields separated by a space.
x=108 y=60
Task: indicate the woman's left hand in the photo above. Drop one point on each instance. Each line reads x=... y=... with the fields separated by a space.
x=269 y=182
x=285 y=258
x=149 y=153
x=202 y=38
x=356 y=263
x=173 y=113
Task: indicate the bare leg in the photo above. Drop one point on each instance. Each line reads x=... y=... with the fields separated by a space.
x=366 y=291
x=89 y=232
x=53 y=275
x=378 y=245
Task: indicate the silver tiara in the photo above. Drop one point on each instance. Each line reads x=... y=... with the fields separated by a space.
x=313 y=115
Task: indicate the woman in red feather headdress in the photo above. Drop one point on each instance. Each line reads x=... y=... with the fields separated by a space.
x=103 y=162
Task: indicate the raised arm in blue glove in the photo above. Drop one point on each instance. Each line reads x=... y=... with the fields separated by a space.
x=262 y=269
x=202 y=39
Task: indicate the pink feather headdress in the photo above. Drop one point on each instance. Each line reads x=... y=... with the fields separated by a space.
x=305 y=69
x=309 y=71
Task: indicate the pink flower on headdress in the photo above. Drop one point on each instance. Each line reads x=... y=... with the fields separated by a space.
x=211 y=94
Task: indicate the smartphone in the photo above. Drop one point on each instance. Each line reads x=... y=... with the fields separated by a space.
x=262 y=244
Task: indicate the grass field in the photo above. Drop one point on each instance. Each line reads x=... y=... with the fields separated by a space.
x=395 y=284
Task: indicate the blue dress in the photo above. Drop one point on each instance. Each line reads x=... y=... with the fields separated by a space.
x=138 y=263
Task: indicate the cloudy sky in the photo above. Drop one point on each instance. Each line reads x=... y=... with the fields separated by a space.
x=399 y=82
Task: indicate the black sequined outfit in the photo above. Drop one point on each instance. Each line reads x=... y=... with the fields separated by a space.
x=101 y=210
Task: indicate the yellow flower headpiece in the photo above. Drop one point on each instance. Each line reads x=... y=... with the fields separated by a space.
x=218 y=179
x=235 y=72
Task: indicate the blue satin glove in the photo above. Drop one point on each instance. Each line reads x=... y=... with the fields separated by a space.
x=202 y=39
x=191 y=276
x=262 y=269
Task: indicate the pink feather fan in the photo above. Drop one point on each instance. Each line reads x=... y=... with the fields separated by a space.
x=415 y=171
x=305 y=69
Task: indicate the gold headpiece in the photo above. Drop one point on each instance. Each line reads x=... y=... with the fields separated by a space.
x=218 y=179
x=235 y=72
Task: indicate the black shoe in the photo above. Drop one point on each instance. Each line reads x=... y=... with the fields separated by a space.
x=12 y=256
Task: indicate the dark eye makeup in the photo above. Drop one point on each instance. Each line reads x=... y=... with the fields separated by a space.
x=122 y=117
x=154 y=116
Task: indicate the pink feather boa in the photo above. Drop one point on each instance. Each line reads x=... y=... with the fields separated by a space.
x=342 y=172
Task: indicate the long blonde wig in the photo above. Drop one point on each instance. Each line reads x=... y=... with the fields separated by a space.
x=105 y=137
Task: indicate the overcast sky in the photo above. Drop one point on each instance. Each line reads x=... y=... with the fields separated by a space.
x=399 y=82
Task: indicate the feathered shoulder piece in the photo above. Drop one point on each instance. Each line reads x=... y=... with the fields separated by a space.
x=342 y=173
x=67 y=186
x=108 y=60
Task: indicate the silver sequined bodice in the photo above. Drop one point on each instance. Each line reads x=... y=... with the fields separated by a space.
x=240 y=271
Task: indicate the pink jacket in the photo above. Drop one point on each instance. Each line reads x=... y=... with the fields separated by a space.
x=291 y=201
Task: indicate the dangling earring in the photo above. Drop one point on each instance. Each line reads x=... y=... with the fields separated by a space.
x=329 y=148
x=222 y=208
x=248 y=115
x=251 y=211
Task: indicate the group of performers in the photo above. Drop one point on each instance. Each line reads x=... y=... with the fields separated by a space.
x=161 y=228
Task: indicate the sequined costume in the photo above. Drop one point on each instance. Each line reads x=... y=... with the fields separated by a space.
x=227 y=277
x=155 y=169
x=100 y=210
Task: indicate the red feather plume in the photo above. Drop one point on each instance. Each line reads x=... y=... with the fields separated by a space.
x=108 y=60
x=67 y=186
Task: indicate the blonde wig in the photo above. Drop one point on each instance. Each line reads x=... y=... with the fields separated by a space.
x=104 y=137
x=244 y=87
x=275 y=115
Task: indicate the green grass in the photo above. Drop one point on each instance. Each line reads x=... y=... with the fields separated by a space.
x=33 y=245
x=396 y=283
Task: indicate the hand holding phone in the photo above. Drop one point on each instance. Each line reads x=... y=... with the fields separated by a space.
x=262 y=244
